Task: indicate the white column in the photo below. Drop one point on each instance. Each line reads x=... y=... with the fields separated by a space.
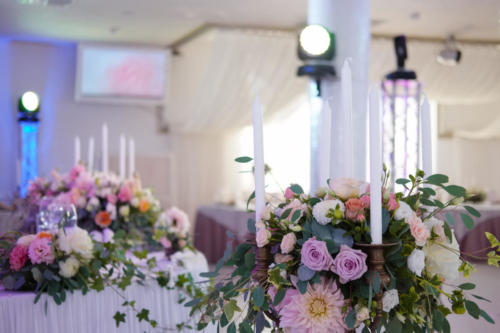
x=350 y=22
x=122 y=156
x=131 y=158
x=77 y=150
x=425 y=116
x=90 y=157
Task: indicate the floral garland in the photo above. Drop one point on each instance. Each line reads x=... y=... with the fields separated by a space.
x=106 y=204
x=70 y=260
x=319 y=281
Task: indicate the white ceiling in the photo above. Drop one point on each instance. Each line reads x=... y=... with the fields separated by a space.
x=165 y=21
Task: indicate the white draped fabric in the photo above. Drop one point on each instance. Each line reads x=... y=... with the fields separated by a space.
x=94 y=312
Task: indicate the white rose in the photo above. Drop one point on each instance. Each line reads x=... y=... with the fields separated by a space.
x=111 y=209
x=135 y=202
x=263 y=236
x=124 y=210
x=443 y=258
x=346 y=188
x=69 y=267
x=321 y=209
x=416 y=261
x=390 y=300
x=436 y=225
x=266 y=214
x=321 y=192
x=362 y=314
x=75 y=241
x=403 y=212
x=25 y=240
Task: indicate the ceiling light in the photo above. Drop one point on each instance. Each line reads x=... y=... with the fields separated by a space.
x=450 y=55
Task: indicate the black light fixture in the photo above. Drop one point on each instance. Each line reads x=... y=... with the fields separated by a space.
x=450 y=55
x=316 y=47
x=401 y=73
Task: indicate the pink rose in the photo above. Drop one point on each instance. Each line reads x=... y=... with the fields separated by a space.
x=125 y=194
x=289 y=193
x=18 y=257
x=40 y=251
x=419 y=231
x=263 y=237
x=165 y=242
x=75 y=171
x=288 y=242
x=182 y=243
x=355 y=209
x=315 y=255
x=349 y=264
x=296 y=204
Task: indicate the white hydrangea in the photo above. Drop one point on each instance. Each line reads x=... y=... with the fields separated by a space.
x=69 y=267
x=390 y=300
x=321 y=209
x=416 y=261
x=443 y=258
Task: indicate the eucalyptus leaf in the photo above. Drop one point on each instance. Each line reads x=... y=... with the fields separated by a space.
x=437 y=179
x=243 y=159
x=340 y=237
x=467 y=220
x=305 y=273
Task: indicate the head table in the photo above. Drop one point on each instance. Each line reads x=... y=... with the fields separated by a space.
x=94 y=312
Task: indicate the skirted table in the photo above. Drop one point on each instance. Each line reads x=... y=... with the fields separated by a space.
x=93 y=313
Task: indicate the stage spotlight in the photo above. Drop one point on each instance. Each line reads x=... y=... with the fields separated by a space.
x=316 y=42
x=29 y=105
x=316 y=47
x=450 y=55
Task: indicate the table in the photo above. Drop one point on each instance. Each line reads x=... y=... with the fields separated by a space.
x=94 y=312
x=474 y=240
x=211 y=225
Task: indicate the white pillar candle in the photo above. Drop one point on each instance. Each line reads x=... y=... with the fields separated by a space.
x=122 y=156
x=90 y=157
x=131 y=157
x=258 y=147
x=77 y=150
x=375 y=166
x=105 y=148
x=426 y=138
x=347 y=149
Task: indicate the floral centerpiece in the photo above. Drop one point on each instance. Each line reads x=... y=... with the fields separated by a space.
x=317 y=278
x=105 y=203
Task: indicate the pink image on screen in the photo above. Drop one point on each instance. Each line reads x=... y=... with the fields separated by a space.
x=135 y=75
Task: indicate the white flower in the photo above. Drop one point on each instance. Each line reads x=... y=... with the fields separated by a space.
x=346 y=188
x=266 y=214
x=75 y=241
x=92 y=204
x=25 y=240
x=69 y=267
x=125 y=210
x=135 y=202
x=403 y=212
x=179 y=219
x=416 y=261
x=263 y=236
x=436 y=225
x=111 y=209
x=321 y=209
x=321 y=192
x=443 y=258
x=362 y=314
x=96 y=236
x=390 y=300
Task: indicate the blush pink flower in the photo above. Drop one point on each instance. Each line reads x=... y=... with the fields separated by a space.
x=392 y=204
x=419 y=231
x=355 y=209
x=126 y=194
x=165 y=242
x=295 y=205
x=18 y=257
x=319 y=310
x=289 y=294
x=289 y=193
x=112 y=199
x=282 y=258
x=288 y=242
x=40 y=251
x=365 y=199
x=75 y=171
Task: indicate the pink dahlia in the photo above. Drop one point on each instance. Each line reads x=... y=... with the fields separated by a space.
x=18 y=257
x=40 y=251
x=319 y=310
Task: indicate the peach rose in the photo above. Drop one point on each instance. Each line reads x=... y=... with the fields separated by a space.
x=143 y=205
x=419 y=231
x=288 y=242
x=355 y=209
x=263 y=236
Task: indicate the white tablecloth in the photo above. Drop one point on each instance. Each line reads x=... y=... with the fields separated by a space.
x=93 y=313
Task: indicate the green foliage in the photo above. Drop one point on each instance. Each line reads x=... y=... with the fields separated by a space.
x=243 y=159
x=119 y=317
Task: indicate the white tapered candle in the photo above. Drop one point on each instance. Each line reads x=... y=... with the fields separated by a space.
x=131 y=157
x=90 y=157
x=258 y=147
x=347 y=146
x=122 y=156
x=426 y=138
x=105 y=148
x=77 y=150
x=375 y=165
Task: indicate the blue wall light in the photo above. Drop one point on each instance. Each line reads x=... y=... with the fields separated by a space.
x=29 y=107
